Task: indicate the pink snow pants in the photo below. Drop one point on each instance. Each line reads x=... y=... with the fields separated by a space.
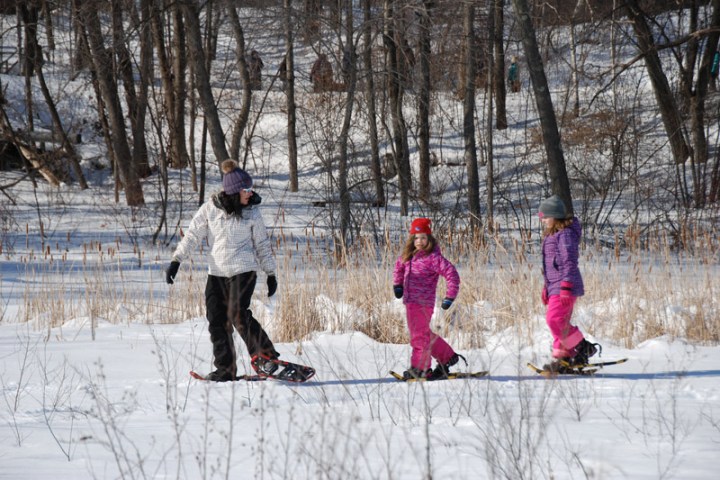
x=425 y=344
x=565 y=335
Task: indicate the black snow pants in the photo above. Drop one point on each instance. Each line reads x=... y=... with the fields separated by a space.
x=228 y=305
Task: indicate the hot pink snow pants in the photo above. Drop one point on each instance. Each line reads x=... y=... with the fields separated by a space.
x=565 y=335
x=425 y=344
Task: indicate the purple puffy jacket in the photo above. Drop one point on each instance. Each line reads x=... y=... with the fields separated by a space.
x=419 y=277
x=560 y=259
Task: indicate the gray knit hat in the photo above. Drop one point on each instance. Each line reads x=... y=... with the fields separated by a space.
x=235 y=178
x=553 y=207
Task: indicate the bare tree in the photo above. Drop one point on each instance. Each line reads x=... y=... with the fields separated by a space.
x=32 y=56
x=395 y=93
x=198 y=59
x=33 y=66
x=573 y=58
x=501 y=121
x=695 y=89
x=49 y=29
x=172 y=64
x=559 y=182
x=311 y=25
x=471 y=161
x=663 y=94
x=370 y=100
x=343 y=188
x=498 y=75
x=289 y=83
x=58 y=127
x=424 y=98
x=136 y=102
x=240 y=53
x=107 y=85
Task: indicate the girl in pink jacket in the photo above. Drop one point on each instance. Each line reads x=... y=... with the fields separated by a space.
x=415 y=280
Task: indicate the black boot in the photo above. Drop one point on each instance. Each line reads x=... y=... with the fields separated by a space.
x=443 y=369
x=583 y=351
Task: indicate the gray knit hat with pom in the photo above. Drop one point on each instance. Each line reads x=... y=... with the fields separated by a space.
x=553 y=207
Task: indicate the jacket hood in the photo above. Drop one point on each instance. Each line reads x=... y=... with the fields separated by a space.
x=576 y=228
x=231 y=205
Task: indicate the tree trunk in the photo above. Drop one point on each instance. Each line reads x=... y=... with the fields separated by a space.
x=172 y=105
x=67 y=145
x=499 y=65
x=136 y=111
x=499 y=88
x=663 y=94
x=395 y=94
x=471 y=161
x=146 y=70
x=424 y=99
x=108 y=88
x=290 y=96
x=27 y=55
x=241 y=55
x=202 y=79
x=559 y=182
x=344 y=191
x=32 y=56
x=697 y=111
x=49 y=29
x=180 y=157
x=81 y=54
x=370 y=99
x=713 y=40
x=312 y=22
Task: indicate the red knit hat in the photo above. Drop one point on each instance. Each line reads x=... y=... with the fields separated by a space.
x=420 y=225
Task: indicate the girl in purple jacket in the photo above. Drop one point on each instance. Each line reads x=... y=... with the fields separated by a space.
x=415 y=280
x=563 y=284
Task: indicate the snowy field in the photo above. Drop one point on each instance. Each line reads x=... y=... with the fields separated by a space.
x=95 y=348
x=123 y=406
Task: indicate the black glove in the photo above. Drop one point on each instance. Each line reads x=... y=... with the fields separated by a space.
x=272 y=285
x=398 y=291
x=447 y=303
x=171 y=272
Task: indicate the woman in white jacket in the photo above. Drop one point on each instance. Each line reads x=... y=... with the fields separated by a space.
x=239 y=246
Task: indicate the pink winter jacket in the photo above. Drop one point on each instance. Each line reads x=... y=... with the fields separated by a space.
x=419 y=277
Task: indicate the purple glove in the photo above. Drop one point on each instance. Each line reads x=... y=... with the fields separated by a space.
x=544 y=296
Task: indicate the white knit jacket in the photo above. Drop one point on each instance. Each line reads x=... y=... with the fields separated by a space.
x=237 y=244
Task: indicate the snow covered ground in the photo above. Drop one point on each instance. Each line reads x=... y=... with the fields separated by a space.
x=123 y=406
x=116 y=401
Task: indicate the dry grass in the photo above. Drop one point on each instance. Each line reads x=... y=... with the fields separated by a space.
x=642 y=291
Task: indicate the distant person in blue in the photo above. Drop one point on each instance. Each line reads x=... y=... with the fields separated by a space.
x=514 y=75
x=563 y=284
x=714 y=71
